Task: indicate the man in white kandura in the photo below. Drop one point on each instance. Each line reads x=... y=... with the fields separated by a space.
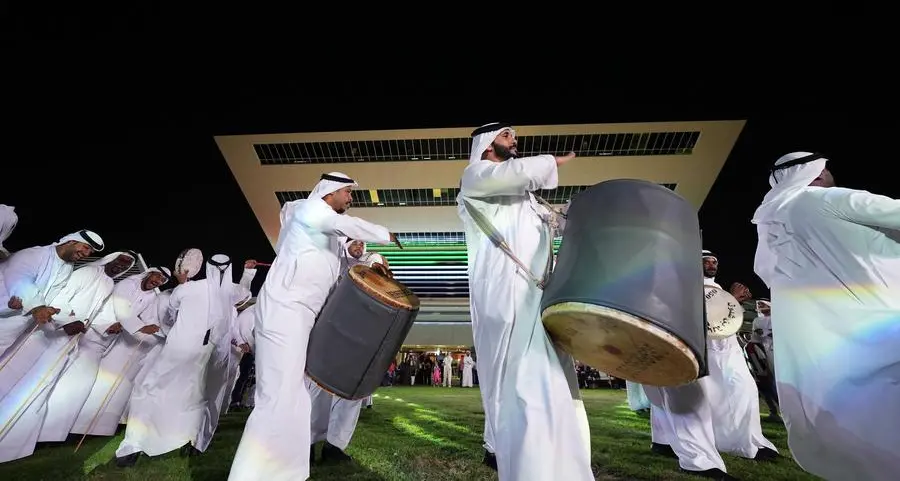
x=32 y=366
x=831 y=258
x=447 y=370
x=134 y=304
x=276 y=436
x=246 y=346
x=168 y=410
x=539 y=427
x=221 y=365
x=730 y=388
x=334 y=418
x=717 y=413
x=73 y=388
x=467 y=365
x=34 y=277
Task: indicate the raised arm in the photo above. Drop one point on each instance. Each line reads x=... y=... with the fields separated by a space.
x=864 y=208
x=344 y=225
x=511 y=177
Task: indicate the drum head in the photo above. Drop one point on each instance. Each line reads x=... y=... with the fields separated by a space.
x=621 y=344
x=386 y=290
x=190 y=260
x=724 y=314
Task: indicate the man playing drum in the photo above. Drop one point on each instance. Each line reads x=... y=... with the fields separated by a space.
x=334 y=418
x=538 y=430
x=730 y=387
x=719 y=412
x=276 y=436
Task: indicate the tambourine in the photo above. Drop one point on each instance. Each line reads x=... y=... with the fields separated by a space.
x=724 y=314
x=190 y=260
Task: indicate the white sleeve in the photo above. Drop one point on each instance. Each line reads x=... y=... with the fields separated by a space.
x=354 y=228
x=511 y=177
x=864 y=208
x=20 y=272
x=247 y=278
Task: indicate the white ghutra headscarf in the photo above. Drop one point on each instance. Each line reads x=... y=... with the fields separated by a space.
x=791 y=175
x=484 y=136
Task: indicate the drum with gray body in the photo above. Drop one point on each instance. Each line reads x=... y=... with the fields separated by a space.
x=359 y=332
x=626 y=296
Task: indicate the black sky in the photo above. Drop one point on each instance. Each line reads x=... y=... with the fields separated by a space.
x=127 y=150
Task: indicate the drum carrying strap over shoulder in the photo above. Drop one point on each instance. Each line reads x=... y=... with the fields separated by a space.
x=497 y=239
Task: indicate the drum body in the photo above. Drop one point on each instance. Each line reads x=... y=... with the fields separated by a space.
x=359 y=332
x=724 y=314
x=627 y=294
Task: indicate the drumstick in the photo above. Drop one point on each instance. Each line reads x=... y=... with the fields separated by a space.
x=109 y=393
x=16 y=350
x=264 y=264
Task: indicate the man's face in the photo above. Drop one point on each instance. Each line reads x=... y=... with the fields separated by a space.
x=505 y=145
x=356 y=249
x=710 y=266
x=152 y=281
x=825 y=179
x=75 y=251
x=118 y=265
x=340 y=200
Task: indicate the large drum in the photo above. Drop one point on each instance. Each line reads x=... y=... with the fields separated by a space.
x=627 y=294
x=358 y=333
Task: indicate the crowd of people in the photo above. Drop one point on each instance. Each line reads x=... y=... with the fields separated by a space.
x=828 y=338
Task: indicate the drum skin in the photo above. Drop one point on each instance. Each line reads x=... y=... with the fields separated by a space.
x=359 y=332
x=724 y=314
x=190 y=260
x=626 y=296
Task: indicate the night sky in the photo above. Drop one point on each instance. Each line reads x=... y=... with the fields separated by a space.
x=129 y=152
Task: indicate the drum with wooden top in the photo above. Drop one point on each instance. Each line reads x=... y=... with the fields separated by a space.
x=724 y=314
x=626 y=297
x=359 y=332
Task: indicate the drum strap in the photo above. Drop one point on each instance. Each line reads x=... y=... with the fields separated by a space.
x=497 y=239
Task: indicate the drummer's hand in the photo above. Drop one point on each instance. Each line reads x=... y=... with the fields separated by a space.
x=182 y=276
x=395 y=240
x=115 y=328
x=740 y=292
x=562 y=160
x=149 y=329
x=250 y=264
x=14 y=303
x=73 y=328
x=383 y=270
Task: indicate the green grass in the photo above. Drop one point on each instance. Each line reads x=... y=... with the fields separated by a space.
x=412 y=433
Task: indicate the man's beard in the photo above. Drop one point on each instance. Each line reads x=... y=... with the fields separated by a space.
x=502 y=152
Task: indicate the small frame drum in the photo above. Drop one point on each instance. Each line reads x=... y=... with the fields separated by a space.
x=724 y=314
x=190 y=260
x=358 y=332
x=626 y=296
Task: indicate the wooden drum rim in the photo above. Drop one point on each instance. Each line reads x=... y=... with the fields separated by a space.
x=565 y=308
x=357 y=274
